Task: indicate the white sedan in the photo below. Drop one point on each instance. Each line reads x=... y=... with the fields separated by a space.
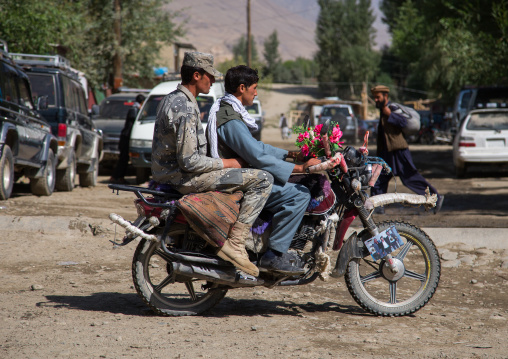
x=482 y=139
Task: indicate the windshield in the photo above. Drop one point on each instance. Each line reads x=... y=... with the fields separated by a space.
x=43 y=85
x=332 y=111
x=253 y=109
x=204 y=103
x=489 y=121
x=149 y=111
x=115 y=108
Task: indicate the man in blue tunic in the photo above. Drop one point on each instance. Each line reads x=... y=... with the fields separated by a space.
x=393 y=148
x=229 y=137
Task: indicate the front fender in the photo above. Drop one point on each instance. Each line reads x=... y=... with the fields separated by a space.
x=353 y=248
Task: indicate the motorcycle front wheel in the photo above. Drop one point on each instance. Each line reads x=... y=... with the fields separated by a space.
x=380 y=291
x=165 y=293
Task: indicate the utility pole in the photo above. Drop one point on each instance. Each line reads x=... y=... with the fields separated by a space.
x=117 y=57
x=249 y=49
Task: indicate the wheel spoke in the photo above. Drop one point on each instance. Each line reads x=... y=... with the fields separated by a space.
x=190 y=288
x=371 y=276
x=162 y=284
x=403 y=251
x=393 y=292
x=413 y=275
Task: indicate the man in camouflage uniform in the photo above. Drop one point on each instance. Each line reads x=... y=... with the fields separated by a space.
x=179 y=157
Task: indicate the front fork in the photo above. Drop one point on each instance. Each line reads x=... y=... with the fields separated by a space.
x=368 y=223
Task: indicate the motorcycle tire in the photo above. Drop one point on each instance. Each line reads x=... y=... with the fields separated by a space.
x=376 y=289
x=152 y=275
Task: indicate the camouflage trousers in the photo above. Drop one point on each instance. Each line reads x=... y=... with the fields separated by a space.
x=256 y=186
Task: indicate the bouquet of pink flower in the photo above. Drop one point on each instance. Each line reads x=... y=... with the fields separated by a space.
x=310 y=142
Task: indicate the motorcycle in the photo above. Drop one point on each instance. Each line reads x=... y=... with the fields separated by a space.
x=176 y=272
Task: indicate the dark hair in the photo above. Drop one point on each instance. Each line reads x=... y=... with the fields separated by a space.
x=186 y=72
x=240 y=75
x=140 y=98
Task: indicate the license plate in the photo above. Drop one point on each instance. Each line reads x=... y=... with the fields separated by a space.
x=384 y=243
x=495 y=143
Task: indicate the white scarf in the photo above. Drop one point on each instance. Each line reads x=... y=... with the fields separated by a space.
x=211 y=127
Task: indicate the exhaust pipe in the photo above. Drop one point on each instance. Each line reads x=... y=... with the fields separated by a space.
x=226 y=276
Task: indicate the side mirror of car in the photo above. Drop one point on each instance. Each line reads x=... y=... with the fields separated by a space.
x=42 y=103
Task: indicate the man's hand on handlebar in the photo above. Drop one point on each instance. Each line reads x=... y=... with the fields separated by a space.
x=303 y=168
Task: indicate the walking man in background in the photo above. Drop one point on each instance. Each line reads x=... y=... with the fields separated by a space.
x=283 y=125
x=123 y=145
x=393 y=148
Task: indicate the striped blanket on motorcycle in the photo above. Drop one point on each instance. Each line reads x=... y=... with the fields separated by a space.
x=211 y=214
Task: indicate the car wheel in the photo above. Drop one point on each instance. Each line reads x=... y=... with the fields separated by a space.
x=65 y=178
x=6 y=173
x=45 y=185
x=89 y=179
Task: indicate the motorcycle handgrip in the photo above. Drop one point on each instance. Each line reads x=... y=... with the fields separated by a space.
x=337 y=160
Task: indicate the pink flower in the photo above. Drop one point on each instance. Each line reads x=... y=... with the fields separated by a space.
x=306 y=135
x=336 y=134
x=305 y=150
x=300 y=137
x=317 y=129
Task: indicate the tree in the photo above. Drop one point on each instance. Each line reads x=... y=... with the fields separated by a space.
x=272 y=57
x=84 y=28
x=344 y=35
x=446 y=45
x=240 y=50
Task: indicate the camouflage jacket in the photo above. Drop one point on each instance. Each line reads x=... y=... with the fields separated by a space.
x=179 y=143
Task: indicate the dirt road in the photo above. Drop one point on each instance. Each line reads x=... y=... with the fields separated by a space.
x=65 y=293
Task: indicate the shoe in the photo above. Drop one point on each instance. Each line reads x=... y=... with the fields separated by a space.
x=234 y=251
x=285 y=263
x=439 y=204
x=379 y=210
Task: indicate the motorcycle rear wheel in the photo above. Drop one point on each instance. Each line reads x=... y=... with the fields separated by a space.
x=379 y=291
x=152 y=275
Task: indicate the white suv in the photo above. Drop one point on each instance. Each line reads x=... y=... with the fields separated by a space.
x=343 y=115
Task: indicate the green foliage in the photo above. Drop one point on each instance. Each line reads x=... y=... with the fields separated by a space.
x=344 y=35
x=445 y=45
x=272 y=56
x=85 y=29
x=240 y=50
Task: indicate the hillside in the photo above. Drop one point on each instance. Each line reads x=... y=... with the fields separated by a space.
x=214 y=27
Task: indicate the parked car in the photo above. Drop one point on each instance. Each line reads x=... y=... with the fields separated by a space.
x=482 y=140
x=343 y=115
x=257 y=114
x=478 y=97
x=79 y=143
x=27 y=147
x=367 y=125
x=142 y=130
x=111 y=120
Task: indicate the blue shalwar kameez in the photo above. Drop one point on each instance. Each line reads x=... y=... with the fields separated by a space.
x=287 y=201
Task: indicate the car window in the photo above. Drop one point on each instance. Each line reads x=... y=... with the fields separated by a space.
x=24 y=93
x=43 y=85
x=333 y=111
x=204 y=104
x=464 y=100
x=253 y=109
x=80 y=98
x=149 y=110
x=488 y=121
x=69 y=100
x=115 y=109
x=9 y=90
